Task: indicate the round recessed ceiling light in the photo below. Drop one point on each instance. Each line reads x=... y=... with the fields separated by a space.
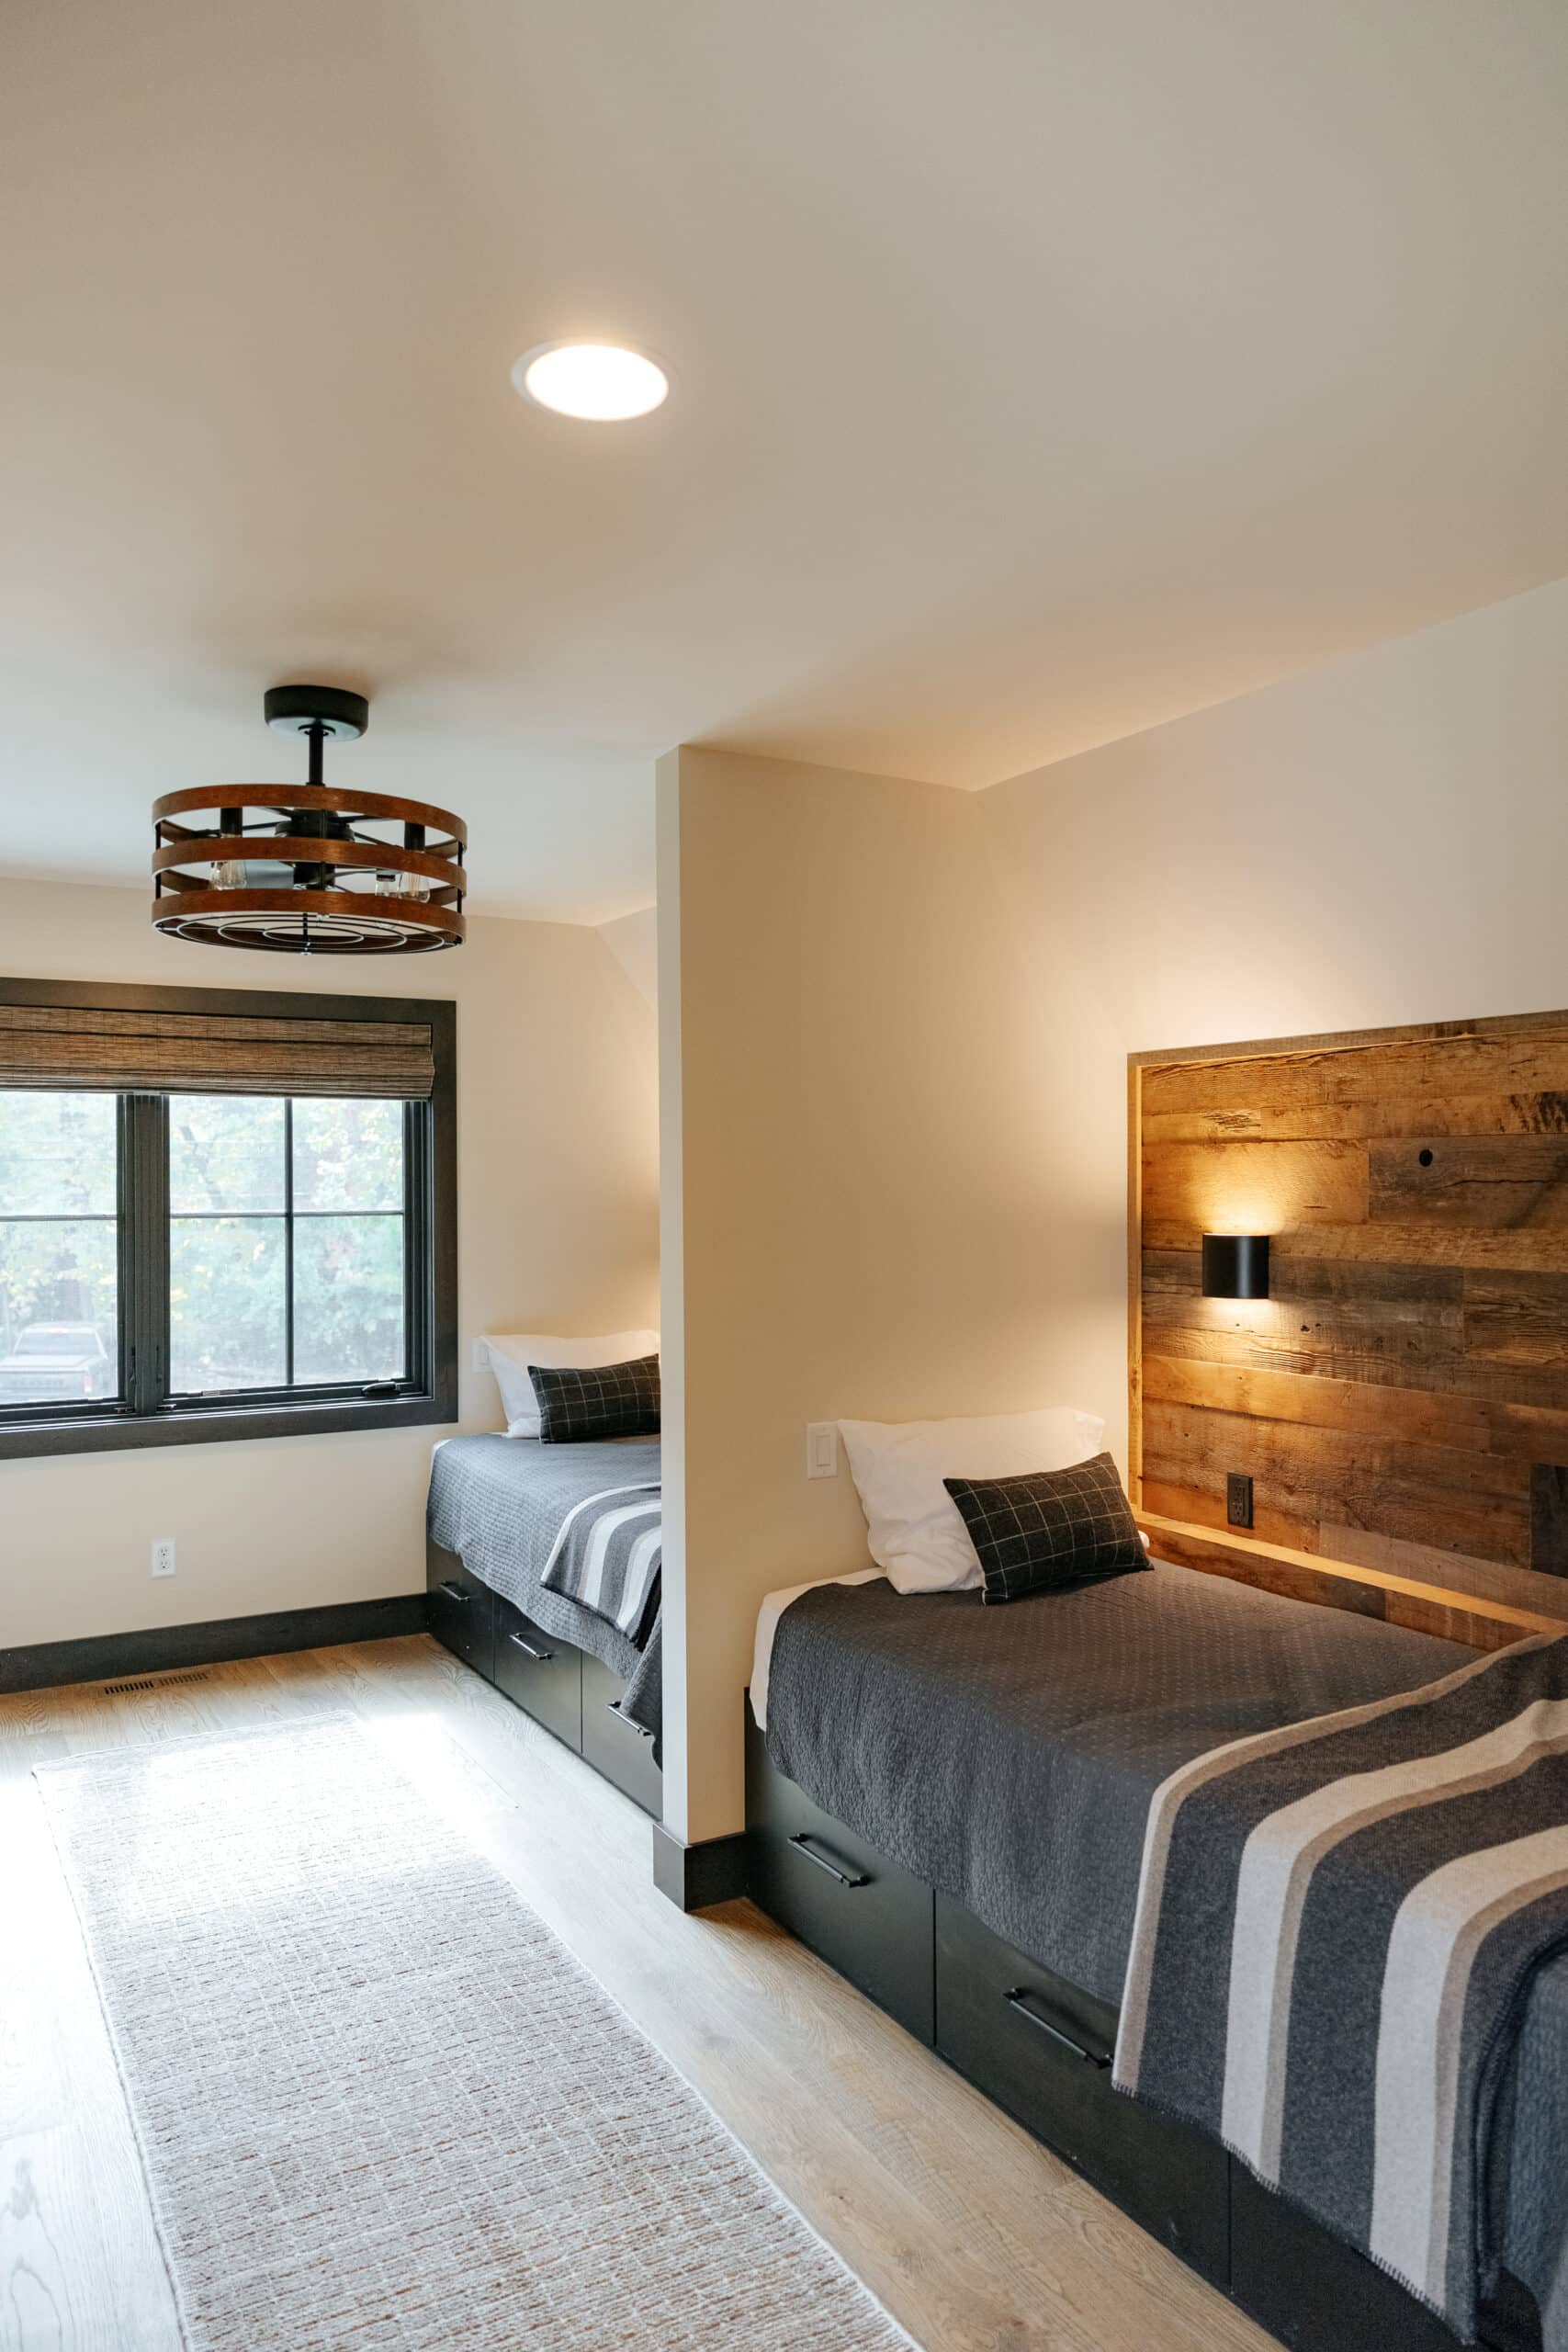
x=601 y=381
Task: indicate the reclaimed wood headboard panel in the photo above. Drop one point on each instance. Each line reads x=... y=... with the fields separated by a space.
x=1401 y=1398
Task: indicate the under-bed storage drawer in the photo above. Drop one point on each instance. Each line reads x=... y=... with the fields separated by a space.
x=616 y=1747
x=459 y=1610
x=1041 y=2049
x=539 y=1674
x=861 y=1913
x=1320 y=2296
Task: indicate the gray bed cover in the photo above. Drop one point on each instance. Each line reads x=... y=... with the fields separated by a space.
x=497 y=1502
x=1007 y=1756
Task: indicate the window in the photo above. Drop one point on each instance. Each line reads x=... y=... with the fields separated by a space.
x=178 y=1265
x=288 y=1242
x=59 y=1248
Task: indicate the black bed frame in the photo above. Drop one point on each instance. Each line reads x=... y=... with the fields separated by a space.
x=1037 y=2045
x=573 y=1695
x=1041 y=2049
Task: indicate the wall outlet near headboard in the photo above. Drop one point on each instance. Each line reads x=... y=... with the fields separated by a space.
x=1548 y=1520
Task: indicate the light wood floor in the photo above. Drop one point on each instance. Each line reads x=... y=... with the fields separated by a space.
x=974 y=2236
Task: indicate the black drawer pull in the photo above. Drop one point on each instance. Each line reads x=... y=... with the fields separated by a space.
x=453 y=1592
x=612 y=1707
x=1021 y=1999
x=826 y=1862
x=528 y=1650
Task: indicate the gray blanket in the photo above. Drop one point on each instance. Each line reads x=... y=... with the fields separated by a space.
x=1008 y=1756
x=521 y=1517
x=1528 y=2179
x=1340 y=1928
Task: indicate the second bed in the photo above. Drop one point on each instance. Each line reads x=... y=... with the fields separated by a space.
x=949 y=1804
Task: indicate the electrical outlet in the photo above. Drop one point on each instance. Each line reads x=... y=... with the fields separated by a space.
x=1238 y=1501
x=822 y=1448
x=163 y=1555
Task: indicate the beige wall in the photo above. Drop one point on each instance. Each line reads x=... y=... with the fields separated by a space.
x=633 y=940
x=895 y=1025
x=852 y=1180
x=558 y=1181
x=1383 y=840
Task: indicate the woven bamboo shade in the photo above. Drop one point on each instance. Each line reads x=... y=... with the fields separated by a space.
x=200 y=1052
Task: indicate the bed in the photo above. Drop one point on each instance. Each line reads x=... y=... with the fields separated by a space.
x=947 y=1802
x=544 y=1574
x=949 y=1734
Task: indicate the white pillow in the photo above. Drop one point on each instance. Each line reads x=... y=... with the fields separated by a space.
x=511 y=1353
x=916 y=1533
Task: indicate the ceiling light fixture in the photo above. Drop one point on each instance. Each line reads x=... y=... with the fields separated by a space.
x=603 y=382
x=308 y=869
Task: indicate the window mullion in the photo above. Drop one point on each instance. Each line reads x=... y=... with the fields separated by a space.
x=288 y=1241
x=125 y=1253
x=144 y=1249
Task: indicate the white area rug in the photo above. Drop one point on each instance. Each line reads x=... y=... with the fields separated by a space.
x=380 y=2104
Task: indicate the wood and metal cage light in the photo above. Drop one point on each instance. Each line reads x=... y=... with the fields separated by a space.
x=308 y=869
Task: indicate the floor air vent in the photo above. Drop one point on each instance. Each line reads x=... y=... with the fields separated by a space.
x=154 y=1682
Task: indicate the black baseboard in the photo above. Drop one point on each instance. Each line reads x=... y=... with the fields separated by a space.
x=713 y=1870
x=158 y=1649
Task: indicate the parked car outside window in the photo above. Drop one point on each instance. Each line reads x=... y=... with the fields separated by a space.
x=52 y=1360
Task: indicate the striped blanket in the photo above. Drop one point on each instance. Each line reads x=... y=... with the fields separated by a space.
x=1340 y=1927
x=606 y=1553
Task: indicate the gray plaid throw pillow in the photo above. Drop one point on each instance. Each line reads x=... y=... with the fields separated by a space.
x=1049 y=1527
x=609 y=1400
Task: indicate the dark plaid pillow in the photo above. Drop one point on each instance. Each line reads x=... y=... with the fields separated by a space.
x=1049 y=1528
x=610 y=1400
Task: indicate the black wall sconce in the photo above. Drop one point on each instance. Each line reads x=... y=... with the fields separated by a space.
x=1235 y=1265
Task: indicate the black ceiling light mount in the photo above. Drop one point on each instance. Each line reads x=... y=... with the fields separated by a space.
x=305 y=710
x=308 y=869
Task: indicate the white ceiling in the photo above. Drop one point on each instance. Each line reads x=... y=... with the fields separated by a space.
x=1044 y=368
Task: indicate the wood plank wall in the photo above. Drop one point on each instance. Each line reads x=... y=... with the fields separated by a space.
x=1401 y=1398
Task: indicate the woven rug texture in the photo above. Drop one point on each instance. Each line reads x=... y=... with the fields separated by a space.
x=381 y=2106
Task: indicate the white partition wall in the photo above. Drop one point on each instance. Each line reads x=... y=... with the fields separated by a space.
x=855 y=1134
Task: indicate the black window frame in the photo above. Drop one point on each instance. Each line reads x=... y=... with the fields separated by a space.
x=142 y=1415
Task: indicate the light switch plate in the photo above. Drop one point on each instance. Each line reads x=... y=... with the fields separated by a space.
x=822 y=1448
